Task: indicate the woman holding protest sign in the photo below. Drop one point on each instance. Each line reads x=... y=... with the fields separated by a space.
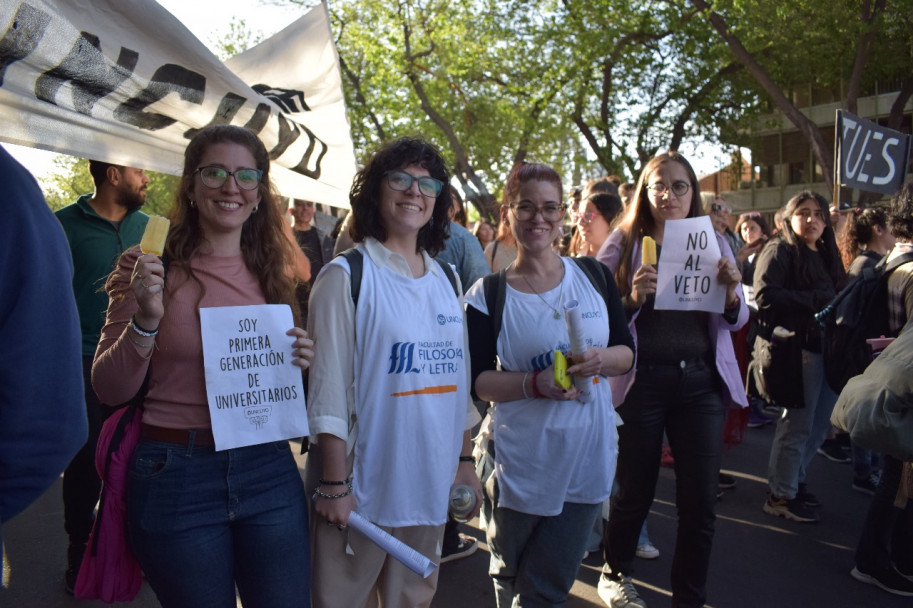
x=796 y=276
x=203 y=522
x=555 y=447
x=388 y=403
x=686 y=376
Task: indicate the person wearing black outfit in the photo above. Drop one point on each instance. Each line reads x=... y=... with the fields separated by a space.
x=310 y=239
x=797 y=274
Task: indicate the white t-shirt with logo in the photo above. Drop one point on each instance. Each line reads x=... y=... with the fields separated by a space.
x=410 y=395
x=551 y=452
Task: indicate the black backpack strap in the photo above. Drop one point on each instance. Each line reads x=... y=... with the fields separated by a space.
x=450 y=276
x=900 y=260
x=356 y=265
x=595 y=272
x=495 y=288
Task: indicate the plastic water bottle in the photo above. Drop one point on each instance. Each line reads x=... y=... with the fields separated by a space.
x=462 y=502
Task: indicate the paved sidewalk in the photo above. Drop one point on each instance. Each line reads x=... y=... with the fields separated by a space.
x=758 y=561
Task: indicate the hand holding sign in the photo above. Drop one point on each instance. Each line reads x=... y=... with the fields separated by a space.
x=253 y=387
x=690 y=274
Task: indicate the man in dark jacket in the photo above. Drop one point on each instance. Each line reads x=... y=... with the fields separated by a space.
x=42 y=414
x=99 y=227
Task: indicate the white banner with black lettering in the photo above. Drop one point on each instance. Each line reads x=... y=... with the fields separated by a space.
x=124 y=81
x=870 y=157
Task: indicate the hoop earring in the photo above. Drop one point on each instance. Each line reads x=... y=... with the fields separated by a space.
x=254 y=210
x=192 y=204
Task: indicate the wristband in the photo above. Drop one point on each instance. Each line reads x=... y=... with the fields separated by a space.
x=523 y=386
x=467 y=459
x=344 y=482
x=143 y=332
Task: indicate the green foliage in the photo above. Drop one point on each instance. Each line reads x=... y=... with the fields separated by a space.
x=237 y=39
x=589 y=86
x=70 y=179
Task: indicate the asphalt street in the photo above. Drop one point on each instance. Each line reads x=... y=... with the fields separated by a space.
x=758 y=561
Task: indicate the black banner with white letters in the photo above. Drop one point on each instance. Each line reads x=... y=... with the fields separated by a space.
x=870 y=157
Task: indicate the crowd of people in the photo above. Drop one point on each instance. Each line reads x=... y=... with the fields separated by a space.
x=427 y=329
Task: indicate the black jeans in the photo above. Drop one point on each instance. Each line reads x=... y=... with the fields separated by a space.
x=81 y=484
x=888 y=532
x=684 y=400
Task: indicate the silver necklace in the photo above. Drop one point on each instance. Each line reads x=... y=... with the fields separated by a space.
x=557 y=314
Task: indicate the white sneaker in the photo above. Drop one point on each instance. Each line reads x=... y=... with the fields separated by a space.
x=647 y=551
x=619 y=593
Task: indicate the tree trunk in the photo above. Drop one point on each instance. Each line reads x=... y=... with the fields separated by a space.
x=819 y=148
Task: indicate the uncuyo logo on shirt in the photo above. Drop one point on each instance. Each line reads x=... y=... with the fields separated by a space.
x=445 y=319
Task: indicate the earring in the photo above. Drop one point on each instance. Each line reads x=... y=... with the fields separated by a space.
x=192 y=204
x=254 y=210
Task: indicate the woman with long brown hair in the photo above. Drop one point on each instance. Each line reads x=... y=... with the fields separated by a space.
x=685 y=377
x=203 y=522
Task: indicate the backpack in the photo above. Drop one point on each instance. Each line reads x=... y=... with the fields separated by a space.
x=495 y=293
x=858 y=312
x=356 y=265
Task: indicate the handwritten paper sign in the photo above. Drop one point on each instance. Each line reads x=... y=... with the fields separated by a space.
x=687 y=270
x=255 y=394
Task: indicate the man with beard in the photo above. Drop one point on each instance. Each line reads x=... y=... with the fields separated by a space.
x=99 y=228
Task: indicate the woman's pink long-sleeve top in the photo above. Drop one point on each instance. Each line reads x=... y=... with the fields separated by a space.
x=176 y=397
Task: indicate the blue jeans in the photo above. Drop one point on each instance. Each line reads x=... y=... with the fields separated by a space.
x=201 y=522
x=801 y=431
x=534 y=559
x=684 y=400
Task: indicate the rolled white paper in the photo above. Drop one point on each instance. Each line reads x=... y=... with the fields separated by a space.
x=574 y=327
x=410 y=558
x=578 y=345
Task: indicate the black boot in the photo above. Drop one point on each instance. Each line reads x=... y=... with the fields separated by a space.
x=74 y=561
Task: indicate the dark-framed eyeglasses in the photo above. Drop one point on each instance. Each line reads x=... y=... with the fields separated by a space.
x=214 y=176
x=402 y=181
x=552 y=212
x=678 y=188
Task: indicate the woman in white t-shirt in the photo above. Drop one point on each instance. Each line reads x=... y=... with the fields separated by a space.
x=555 y=448
x=388 y=403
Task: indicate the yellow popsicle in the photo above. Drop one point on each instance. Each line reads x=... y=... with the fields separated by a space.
x=561 y=377
x=648 y=251
x=155 y=235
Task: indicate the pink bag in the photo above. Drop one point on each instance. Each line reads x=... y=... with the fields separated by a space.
x=109 y=570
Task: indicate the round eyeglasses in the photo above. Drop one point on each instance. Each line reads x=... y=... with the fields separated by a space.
x=678 y=188
x=215 y=177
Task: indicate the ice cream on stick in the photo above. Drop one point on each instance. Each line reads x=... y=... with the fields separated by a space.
x=648 y=252
x=155 y=235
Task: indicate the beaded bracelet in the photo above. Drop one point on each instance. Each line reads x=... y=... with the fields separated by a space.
x=523 y=386
x=322 y=494
x=344 y=482
x=143 y=332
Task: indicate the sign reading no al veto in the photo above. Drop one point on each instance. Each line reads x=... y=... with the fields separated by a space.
x=254 y=391
x=686 y=276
